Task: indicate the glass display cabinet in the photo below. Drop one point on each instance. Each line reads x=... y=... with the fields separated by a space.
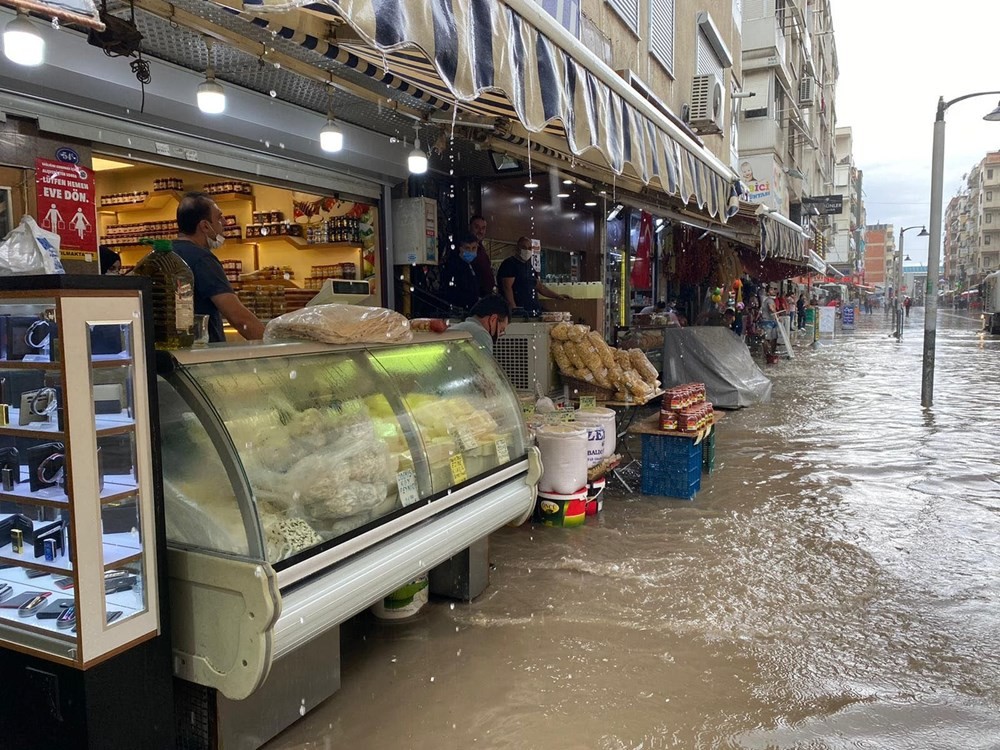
x=78 y=582
x=303 y=482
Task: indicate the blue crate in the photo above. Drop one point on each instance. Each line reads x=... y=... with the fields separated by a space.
x=668 y=453
x=683 y=485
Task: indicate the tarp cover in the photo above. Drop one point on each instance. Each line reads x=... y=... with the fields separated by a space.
x=715 y=356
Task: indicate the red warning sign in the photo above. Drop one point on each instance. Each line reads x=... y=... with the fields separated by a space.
x=66 y=203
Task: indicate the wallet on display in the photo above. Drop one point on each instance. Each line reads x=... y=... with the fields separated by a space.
x=53 y=610
x=17 y=521
x=45 y=465
x=16 y=602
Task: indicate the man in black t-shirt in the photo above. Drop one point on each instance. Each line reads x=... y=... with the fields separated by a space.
x=200 y=225
x=519 y=282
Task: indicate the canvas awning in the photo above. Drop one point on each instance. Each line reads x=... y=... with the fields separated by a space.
x=509 y=59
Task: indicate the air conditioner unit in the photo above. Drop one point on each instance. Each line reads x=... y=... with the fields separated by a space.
x=705 y=112
x=807 y=90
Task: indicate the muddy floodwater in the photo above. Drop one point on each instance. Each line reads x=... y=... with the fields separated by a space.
x=835 y=584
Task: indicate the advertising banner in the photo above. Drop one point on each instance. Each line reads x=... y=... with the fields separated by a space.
x=847 y=317
x=827 y=319
x=66 y=205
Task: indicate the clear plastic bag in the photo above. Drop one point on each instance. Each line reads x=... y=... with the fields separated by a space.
x=341 y=324
x=29 y=249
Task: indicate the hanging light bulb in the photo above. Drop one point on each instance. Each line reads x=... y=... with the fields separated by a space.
x=417 y=161
x=331 y=138
x=22 y=44
x=211 y=95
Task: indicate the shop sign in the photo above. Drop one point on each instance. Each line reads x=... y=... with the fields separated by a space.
x=66 y=199
x=826 y=204
x=68 y=155
x=847 y=317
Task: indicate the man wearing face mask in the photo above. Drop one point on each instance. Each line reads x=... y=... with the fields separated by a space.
x=487 y=321
x=459 y=282
x=200 y=225
x=519 y=281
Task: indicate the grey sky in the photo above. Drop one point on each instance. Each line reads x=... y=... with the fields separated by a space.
x=896 y=58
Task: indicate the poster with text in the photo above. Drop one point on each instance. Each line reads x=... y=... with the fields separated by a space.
x=66 y=204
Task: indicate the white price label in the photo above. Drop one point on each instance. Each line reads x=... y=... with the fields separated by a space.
x=466 y=440
x=406 y=483
x=503 y=455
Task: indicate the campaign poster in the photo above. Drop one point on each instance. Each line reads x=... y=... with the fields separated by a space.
x=66 y=204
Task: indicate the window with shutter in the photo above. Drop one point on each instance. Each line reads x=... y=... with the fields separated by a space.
x=661 y=32
x=629 y=12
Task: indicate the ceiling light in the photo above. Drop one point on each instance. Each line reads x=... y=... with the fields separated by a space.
x=562 y=195
x=331 y=138
x=22 y=44
x=211 y=95
x=531 y=184
x=417 y=160
x=567 y=181
x=590 y=204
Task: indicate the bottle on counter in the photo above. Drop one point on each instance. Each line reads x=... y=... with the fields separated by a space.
x=173 y=295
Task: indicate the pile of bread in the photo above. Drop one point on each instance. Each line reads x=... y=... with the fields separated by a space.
x=583 y=354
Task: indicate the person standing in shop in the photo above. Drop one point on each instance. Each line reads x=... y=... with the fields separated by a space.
x=482 y=265
x=487 y=321
x=110 y=261
x=200 y=225
x=459 y=281
x=769 y=324
x=519 y=281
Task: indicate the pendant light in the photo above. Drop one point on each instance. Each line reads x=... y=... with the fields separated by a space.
x=331 y=138
x=417 y=161
x=211 y=95
x=22 y=44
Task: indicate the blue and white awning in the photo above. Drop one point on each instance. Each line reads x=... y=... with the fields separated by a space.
x=509 y=59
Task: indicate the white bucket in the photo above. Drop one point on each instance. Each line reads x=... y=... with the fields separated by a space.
x=564 y=458
x=596 y=436
x=610 y=426
x=404 y=602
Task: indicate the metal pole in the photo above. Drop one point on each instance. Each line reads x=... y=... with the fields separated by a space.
x=933 y=256
x=899 y=284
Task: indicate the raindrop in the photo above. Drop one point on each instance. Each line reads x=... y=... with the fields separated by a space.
x=453 y=605
x=277 y=66
x=55 y=24
x=432 y=679
x=272 y=93
x=302 y=708
x=393 y=660
x=293 y=374
x=281 y=145
x=267 y=144
x=458 y=653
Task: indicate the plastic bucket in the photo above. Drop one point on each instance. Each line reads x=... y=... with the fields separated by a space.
x=564 y=458
x=607 y=417
x=554 y=509
x=404 y=602
x=596 y=437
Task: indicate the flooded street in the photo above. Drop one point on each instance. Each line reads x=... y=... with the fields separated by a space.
x=833 y=585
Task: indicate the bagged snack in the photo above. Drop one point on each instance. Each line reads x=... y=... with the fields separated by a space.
x=573 y=352
x=578 y=332
x=560 y=331
x=559 y=355
x=602 y=348
x=642 y=365
x=340 y=324
x=590 y=356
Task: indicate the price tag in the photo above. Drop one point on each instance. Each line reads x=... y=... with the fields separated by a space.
x=567 y=416
x=406 y=483
x=588 y=402
x=503 y=455
x=466 y=440
x=458 y=474
x=528 y=407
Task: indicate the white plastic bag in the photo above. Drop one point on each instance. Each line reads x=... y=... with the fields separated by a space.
x=29 y=249
x=341 y=324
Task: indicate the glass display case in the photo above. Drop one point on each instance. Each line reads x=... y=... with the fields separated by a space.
x=280 y=452
x=78 y=579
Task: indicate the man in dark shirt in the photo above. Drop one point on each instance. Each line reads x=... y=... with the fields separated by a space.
x=519 y=282
x=200 y=225
x=459 y=282
x=482 y=265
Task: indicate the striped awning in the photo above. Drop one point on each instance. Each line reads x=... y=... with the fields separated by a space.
x=508 y=59
x=780 y=238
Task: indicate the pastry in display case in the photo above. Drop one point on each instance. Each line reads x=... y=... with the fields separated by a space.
x=77 y=576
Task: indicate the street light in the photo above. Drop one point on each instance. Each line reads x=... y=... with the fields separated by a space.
x=934 y=244
x=899 y=275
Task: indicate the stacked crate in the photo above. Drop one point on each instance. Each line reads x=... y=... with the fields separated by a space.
x=671 y=466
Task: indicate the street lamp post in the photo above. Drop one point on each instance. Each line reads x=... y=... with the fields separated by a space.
x=899 y=277
x=934 y=244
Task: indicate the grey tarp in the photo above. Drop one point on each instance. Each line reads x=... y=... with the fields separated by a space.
x=715 y=356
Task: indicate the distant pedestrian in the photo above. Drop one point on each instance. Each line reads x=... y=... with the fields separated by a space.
x=906 y=305
x=800 y=310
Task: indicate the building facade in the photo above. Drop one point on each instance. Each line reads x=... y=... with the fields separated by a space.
x=880 y=256
x=972 y=228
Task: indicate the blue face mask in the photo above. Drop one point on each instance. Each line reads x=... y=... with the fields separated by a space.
x=468 y=255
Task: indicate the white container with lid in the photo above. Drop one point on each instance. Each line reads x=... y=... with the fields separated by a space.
x=564 y=458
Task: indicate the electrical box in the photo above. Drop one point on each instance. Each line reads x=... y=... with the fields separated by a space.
x=414 y=231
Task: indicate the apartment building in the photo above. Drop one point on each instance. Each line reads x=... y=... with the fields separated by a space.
x=880 y=269
x=847 y=236
x=972 y=227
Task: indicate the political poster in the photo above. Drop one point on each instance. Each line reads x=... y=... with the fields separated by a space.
x=66 y=204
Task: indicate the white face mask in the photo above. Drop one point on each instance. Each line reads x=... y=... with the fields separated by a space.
x=525 y=253
x=214 y=243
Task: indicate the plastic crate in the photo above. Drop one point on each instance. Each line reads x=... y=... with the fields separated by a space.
x=683 y=485
x=669 y=451
x=708 y=453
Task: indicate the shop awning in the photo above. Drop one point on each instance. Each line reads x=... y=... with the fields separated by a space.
x=816 y=263
x=510 y=59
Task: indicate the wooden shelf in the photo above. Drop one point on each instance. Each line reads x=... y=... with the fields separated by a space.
x=154 y=202
x=301 y=243
x=231 y=197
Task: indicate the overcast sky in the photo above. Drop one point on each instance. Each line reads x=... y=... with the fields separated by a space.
x=896 y=58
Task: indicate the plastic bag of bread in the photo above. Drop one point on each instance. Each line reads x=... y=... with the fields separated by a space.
x=601 y=377
x=578 y=332
x=622 y=358
x=602 y=348
x=573 y=352
x=559 y=355
x=641 y=364
x=428 y=325
x=340 y=324
x=589 y=354
x=560 y=331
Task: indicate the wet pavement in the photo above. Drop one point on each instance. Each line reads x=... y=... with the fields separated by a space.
x=834 y=585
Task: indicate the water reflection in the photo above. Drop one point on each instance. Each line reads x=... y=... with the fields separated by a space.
x=833 y=585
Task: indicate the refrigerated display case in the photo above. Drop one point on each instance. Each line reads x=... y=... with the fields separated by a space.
x=304 y=482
